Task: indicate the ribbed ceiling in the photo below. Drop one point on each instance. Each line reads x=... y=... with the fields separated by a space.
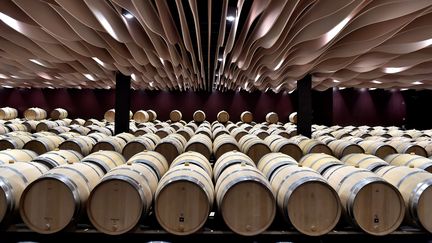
x=216 y=44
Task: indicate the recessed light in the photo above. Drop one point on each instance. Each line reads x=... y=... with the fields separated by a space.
x=127 y=14
x=342 y=88
x=37 y=62
x=417 y=83
x=372 y=88
x=89 y=77
x=220 y=59
x=7 y=86
x=403 y=89
x=336 y=81
x=376 y=82
x=230 y=18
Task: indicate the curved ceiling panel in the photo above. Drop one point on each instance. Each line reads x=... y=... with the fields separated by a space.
x=219 y=44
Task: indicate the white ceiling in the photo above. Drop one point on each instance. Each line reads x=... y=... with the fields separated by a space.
x=176 y=44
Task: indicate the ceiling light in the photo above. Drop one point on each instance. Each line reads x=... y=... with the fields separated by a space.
x=417 y=83
x=230 y=18
x=162 y=61
x=333 y=32
x=37 y=62
x=245 y=85
x=50 y=87
x=7 y=86
x=342 y=88
x=372 y=88
x=127 y=14
x=151 y=84
x=133 y=76
x=403 y=89
x=336 y=81
x=257 y=77
x=376 y=82
x=2 y=76
x=220 y=59
x=279 y=65
x=89 y=77
x=98 y=61
x=391 y=70
x=291 y=91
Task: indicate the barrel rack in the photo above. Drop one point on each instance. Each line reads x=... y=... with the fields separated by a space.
x=213 y=231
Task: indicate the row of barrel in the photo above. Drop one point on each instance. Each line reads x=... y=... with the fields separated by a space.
x=33 y=113
x=140 y=116
x=205 y=138
x=54 y=190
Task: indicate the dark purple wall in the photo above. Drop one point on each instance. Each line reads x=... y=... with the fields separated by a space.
x=375 y=107
x=343 y=107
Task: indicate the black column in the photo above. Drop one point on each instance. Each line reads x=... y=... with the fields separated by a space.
x=304 y=111
x=122 y=103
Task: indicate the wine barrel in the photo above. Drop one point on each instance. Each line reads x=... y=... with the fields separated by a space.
x=223 y=144
x=31 y=125
x=60 y=130
x=41 y=145
x=246 y=117
x=104 y=130
x=427 y=145
x=8 y=113
x=154 y=160
x=410 y=160
x=58 y=197
x=23 y=155
x=58 y=113
x=141 y=116
x=314 y=146
x=404 y=147
x=68 y=135
x=58 y=157
x=35 y=113
x=342 y=148
x=175 y=115
x=278 y=143
x=15 y=176
x=97 y=136
x=152 y=115
x=3 y=129
x=199 y=116
x=240 y=190
x=125 y=194
x=192 y=189
x=415 y=186
x=254 y=147
x=165 y=131
x=14 y=142
x=112 y=143
x=170 y=147
x=377 y=148
x=306 y=200
x=273 y=161
x=78 y=121
x=200 y=143
x=369 y=202
x=193 y=158
x=80 y=144
x=228 y=159
x=293 y=117
x=92 y=121
x=222 y=116
x=80 y=129
x=17 y=127
x=319 y=161
x=109 y=115
x=106 y=160
x=137 y=145
x=272 y=118
x=365 y=161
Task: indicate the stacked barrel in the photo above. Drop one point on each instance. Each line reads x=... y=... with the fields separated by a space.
x=55 y=171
